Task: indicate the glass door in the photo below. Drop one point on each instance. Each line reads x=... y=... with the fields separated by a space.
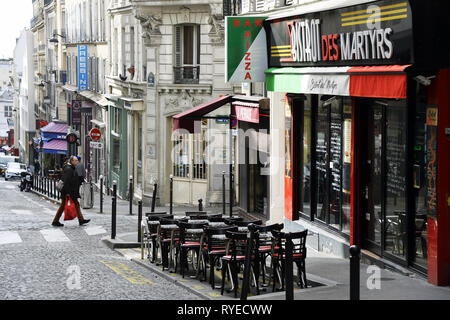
x=373 y=219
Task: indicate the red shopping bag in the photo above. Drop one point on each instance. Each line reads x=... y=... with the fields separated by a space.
x=70 y=211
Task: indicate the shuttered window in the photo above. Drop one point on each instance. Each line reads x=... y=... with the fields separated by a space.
x=187 y=53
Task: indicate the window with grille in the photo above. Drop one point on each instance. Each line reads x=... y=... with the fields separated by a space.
x=187 y=53
x=189 y=155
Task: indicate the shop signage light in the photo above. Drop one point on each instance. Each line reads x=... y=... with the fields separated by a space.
x=379 y=33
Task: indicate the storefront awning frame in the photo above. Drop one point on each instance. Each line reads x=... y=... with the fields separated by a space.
x=362 y=81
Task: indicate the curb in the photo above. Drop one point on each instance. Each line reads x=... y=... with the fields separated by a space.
x=171 y=279
x=118 y=244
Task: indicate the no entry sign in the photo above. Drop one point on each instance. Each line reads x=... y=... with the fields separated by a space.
x=95 y=134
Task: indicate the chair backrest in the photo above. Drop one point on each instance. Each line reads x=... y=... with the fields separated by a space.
x=216 y=219
x=198 y=217
x=194 y=213
x=166 y=221
x=147 y=214
x=230 y=221
x=159 y=217
x=214 y=242
x=246 y=223
x=264 y=229
x=214 y=216
x=238 y=243
x=187 y=236
x=298 y=240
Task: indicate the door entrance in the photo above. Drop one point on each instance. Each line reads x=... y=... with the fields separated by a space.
x=383 y=177
x=372 y=220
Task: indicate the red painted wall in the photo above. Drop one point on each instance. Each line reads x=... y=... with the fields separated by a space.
x=439 y=230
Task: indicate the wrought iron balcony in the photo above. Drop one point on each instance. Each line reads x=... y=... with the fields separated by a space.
x=186 y=74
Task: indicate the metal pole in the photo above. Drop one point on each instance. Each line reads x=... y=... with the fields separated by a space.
x=114 y=212
x=223 y=192
x=139 y=219
x=171 y=193
x=288 y=269
x=354 y=272
x=155 y=187
x=131 y=195
x=200 y=205
x=231 y=166
x=101 y=194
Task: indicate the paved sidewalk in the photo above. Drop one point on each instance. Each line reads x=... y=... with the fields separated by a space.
x=328 y=275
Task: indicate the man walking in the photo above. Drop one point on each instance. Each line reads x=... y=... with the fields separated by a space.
x=71 y=187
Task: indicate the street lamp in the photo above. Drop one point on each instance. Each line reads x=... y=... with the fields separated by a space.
x=54 y=40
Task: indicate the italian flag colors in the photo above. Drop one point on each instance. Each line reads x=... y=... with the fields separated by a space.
x=367 y=81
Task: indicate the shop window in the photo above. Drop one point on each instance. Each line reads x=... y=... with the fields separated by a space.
x=305 y=167
x=396 y=227
x=116 y=154
x=332 y=160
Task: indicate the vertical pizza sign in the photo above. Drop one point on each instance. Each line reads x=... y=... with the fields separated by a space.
x=246 y=55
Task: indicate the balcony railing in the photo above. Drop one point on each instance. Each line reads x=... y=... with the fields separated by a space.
x=186 y=74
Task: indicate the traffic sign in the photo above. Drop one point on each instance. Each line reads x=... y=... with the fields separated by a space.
x=71 y=138
x=96 y=145
x=95 y=134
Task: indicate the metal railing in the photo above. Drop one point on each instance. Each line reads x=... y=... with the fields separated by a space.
x=185 y=75
x=46 y=186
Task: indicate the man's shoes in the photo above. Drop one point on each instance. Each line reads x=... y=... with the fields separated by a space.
x=57 y=224
x=84 y=221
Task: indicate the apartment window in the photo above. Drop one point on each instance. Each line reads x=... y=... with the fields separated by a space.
x=8 y=111
x=187 y=54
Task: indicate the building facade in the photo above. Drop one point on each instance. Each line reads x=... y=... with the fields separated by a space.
x=25 y=121
x=357 y=121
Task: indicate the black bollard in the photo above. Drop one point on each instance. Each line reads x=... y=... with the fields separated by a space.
x=101 y=194
x=131 y=195
x=171 y=193
x=288 y=269
x=200 y=204
x=114 y=212
x=223 y=192
x=155 y=187
x=139 y=220
x=354 y=272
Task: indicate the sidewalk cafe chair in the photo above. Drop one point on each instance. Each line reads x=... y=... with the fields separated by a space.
x=215 y=215
x=199 y=217
x=150 y=234
x=167 y=233
x=243 y=225
x=263 y=240
x=213 y=248
x=189 y=241
x=195 y=213
x=298 y=252
x=234 y=259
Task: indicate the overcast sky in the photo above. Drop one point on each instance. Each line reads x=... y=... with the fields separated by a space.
x=15 y=15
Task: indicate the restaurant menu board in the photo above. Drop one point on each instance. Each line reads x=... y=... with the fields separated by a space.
x=395 y=156
x=347 y=154
x=335 y=154
x=431 y=160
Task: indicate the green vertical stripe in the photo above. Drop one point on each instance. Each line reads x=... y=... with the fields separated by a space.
x=284 y=83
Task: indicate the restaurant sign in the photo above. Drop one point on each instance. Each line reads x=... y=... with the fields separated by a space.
x=374 y=33
x=246 y=49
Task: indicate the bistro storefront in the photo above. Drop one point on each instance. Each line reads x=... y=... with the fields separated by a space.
x=365 y=115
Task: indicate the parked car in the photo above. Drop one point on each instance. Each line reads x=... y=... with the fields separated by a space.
x=14 y=170
x=4 y=160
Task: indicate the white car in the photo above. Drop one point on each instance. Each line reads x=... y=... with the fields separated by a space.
x=14 y=169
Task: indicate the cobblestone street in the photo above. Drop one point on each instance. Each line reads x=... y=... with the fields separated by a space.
x=38 y=261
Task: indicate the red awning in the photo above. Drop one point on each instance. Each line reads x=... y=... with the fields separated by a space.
x=378 y=81
x=185 y=120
